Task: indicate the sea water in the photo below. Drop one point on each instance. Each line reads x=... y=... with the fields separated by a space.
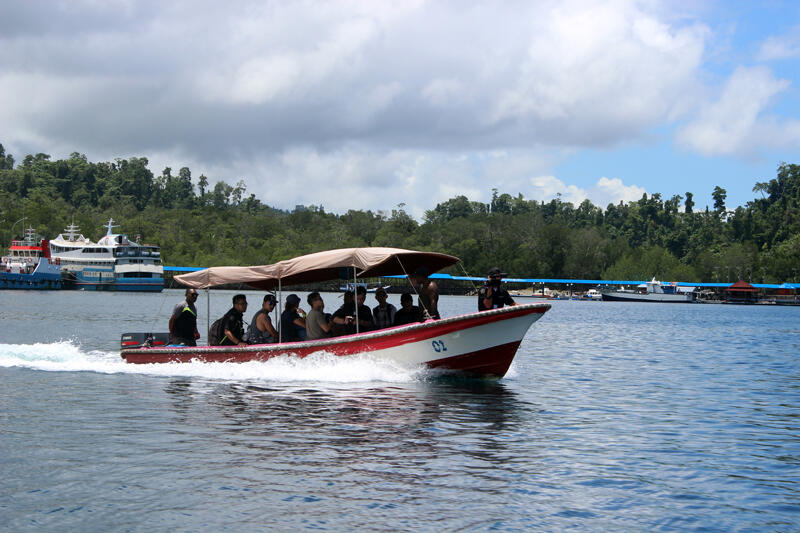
x=614 y=416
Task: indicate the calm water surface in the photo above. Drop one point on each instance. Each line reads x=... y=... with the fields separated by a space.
x=615 y=416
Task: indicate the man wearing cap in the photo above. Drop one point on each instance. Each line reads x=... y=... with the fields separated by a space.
x=293 y=326
x=261 y=330
x=492 y=295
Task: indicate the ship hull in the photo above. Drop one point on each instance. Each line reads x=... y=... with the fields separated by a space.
x=634 y=297
x=34 y=281
x=481 y=344
x=120 y=284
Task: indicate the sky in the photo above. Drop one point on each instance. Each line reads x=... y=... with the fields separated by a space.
x=373 y=105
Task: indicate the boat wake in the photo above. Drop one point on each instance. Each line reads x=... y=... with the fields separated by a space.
x=68 y=356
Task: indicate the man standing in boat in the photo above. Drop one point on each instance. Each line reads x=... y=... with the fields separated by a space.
x=183 y=322
x=427 y=294
x=492 y=295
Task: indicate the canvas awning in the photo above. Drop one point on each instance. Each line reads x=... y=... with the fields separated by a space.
x=321 y=266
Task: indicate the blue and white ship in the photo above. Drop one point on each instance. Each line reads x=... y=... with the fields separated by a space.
x=114 y=263
x=28 y=265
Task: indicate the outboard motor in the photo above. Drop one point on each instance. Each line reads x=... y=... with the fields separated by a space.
x=143 y=340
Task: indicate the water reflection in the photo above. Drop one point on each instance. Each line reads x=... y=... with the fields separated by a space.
x=378 y=426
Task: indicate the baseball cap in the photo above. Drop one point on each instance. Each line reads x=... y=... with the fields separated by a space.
x=496 y=272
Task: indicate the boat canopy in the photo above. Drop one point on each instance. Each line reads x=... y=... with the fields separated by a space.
x=321 y=266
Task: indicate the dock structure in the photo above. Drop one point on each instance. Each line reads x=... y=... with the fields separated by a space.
x=559 y=281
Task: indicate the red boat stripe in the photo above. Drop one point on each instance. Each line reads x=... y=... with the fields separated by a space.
x=347 y=345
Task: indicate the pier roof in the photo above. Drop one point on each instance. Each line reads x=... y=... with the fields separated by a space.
x=564 y=281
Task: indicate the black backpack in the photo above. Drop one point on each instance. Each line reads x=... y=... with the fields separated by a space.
x=215 y=332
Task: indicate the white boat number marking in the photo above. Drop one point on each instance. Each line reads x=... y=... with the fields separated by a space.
x=438 y=346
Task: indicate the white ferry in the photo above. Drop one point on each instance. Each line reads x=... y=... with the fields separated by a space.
x=113 y=263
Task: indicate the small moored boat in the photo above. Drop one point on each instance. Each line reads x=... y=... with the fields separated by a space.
x=28 y=265
x=482 y=343
x=652 y=291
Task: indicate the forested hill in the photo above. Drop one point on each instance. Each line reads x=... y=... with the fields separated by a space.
x=202 y=226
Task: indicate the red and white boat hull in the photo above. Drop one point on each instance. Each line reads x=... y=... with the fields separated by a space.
x=482 y=343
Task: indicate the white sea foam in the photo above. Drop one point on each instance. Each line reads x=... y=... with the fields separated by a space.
x=512 y=373
x=68 y=356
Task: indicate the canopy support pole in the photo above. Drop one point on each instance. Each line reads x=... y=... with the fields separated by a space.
x=280 y=312
x=355 y=295
x=419 y=300
x=208 y=313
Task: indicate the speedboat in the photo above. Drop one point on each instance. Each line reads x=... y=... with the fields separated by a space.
x=479 y=344
x=593 y=294
x=652 y=291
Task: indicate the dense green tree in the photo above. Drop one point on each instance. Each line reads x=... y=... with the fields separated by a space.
x=689 y=202
x=225 y=225
x=719 y=196
x=6 y=161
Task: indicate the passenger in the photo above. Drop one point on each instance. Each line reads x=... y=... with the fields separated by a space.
x=261 y=330
x=383 y=313
x=233 y=323
x=428 y=293
x=341 y=319
x=344 y=317
x=492 y=295
x=183 y=322
x=293 y=326
x=318 y=324
x=408 y=313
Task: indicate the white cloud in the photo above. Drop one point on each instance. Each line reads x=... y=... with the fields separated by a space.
x=259 y=80
x=357 y=176
x=443 y=92
x=733 y=124
x=441 y=74
x=781 y=47
x=546 y=188
x=367 y=104
x=605 y=191
x=608 y=65
x=612 y=191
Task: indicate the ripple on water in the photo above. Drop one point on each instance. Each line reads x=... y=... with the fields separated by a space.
x=613 y=417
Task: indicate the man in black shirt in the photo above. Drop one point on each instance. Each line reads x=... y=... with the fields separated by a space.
x=344 y=317
x=183 y=322
x=492 y=295
x=408 y=313
x=233 y=323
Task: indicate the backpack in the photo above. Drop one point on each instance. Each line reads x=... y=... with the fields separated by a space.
x=215 y=332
